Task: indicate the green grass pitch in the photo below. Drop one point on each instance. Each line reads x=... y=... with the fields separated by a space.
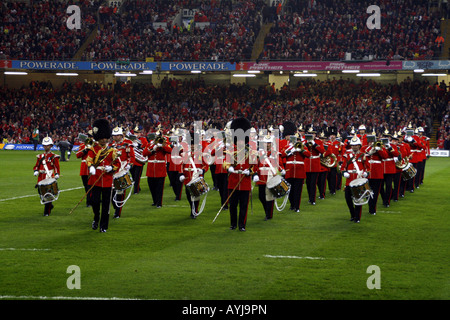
x=152 y=253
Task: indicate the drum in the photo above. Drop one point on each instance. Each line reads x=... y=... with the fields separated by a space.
x=361 y=191
x=197 y=187
x=122 y=180
x=48 y=190
x=408 y=172
x=278 y=186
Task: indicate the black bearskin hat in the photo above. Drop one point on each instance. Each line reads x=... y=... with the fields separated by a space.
x=243 y=124
x=101 y=129
x=332 y=131
x=289 y=128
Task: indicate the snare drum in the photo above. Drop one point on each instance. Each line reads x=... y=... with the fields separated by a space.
x=408 y=172
x=278 y=186
x=361 y=191
x=197 y=187
x=122 y=180
x=48 y=190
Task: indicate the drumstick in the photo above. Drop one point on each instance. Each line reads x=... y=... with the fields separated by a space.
x=228 y=198
x=93 y=185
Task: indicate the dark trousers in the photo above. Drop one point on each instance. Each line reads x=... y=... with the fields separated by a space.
x=177 y=186
x=222 y=184
x=295 y=195
x=397 y=183
x=48 y=208
x=119 y=198
x=338 y=180
x=85 y=180
x=332 y=180
x=410 y=184
x=241 y=198
x=193 y=205
x=424 y=162
x=267 y=205
x=311 y=183
x=386 y=190
x=419 y=174
x=212 y=168
x=156 y=186
x=101 y=196
x=355 y=211
x=375 y=185
x=136 y=173
x=322 y=183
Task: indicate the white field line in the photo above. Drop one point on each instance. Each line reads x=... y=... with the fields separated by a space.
x=36 y=195
x=23 y=249
x=61 y=298
x=296 y=257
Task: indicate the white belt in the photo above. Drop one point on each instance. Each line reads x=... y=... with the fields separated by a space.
x=314 y=157
x=415 y=150
x=295 y=162
x=191 y=169
x=156 y=161
x=83 y=161
x=388 y=159
x=374 y=161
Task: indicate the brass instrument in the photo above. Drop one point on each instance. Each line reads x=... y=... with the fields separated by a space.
x=88 y=141
x=299 y=145
x=160 y=139
x=378 y=143
x=401 y=163
x=329 y=161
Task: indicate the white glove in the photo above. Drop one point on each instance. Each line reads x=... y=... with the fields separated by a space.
x=154 y=148
x=36 y=173
x=246 y=172
x=159 y=145
x=108 y=168
x=56 y=176
x=127 y=167
x=283 y=172
x=313 y=143
x=377 y=148
x=297 y=149
x=255 y=178
x=182 y=177
x=395 y=159
x=346 y=175
x=92 y=170
x=231 y=170
x=364 y=175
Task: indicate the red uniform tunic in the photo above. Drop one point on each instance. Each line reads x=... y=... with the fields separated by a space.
x=236 y=176
x=295 y=164
x=313 y=165
x=156 y=167
x=125 y=152
x=374 y=162
x=49 y=159
x=82 y=154
x=351 y=166
x=101 y=157
x=389 y=162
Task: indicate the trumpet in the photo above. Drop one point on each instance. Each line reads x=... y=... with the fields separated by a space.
x=160 y=140
x=378 y=143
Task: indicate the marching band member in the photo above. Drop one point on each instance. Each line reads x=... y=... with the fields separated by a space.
x=425 y=154
x=362 y=135
x=375 y=153
x=84 y=171
x=406 y=153
x=416 y=146
x=269 y=165
x=139 y=162
x=221 y=173
x=190 y=170
x=389 y=170
x=175 y=162
x=323 y=174
x=398 y=172
x=353 y=168
x=334 y=147
x=102 y=162
x=47 y=167
x=126 y=157
x=156 y=168
x=295 y=156
x=315 y=146
x=239 y=179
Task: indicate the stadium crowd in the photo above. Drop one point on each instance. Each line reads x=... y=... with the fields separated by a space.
x=37 y=30
x=65 y=112
x=330 y=29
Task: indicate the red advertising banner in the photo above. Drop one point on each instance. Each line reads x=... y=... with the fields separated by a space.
x=319 y=66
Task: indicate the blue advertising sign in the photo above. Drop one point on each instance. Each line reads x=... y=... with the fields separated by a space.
x=198 y=66
x=82 y=65
x=426 y=64
x=30 y=147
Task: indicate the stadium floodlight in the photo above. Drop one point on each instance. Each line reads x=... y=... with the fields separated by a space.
x=434 y=74
x=418 y=70
x=146 y=72
x=124 y=74
x=305 y=74
x=244 y=75
x=16 y=73
x=67 y=74
x=196 y=71
x=253 y=71
x=368 y=75
x=350 y=71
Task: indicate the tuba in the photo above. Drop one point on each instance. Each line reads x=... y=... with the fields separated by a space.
x=329 y=161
